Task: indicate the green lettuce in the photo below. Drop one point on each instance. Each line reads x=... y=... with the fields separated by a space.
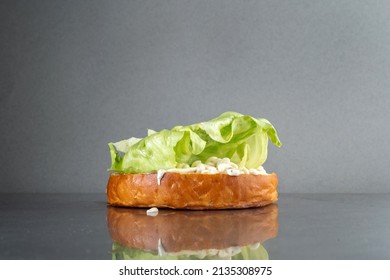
x=243 y=139
x=121 y=252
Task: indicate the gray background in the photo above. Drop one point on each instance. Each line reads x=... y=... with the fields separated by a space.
x=75 y=75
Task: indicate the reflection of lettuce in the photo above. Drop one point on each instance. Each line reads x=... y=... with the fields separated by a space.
x=120 y=252
x=241 y=138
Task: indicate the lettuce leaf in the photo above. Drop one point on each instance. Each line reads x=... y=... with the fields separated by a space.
x=122 y=252
x=241 y=138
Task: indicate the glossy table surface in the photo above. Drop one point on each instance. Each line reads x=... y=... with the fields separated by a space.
x=299 y=226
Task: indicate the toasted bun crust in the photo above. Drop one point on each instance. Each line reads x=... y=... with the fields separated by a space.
x=192 y=190
x=192 y=230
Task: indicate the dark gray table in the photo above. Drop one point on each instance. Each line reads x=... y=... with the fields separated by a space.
x=305 y=226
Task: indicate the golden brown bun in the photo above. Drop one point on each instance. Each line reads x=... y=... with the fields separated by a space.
x=192 y=190
x=192 y=230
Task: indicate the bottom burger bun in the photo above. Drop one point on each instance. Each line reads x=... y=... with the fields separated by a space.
x=192 y=190
x=180 y=234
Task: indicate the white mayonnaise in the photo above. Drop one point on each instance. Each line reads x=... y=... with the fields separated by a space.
x=160 y=248
x=160 y=174
x=152 y=212
x=233 y=172
x=213 y=165
x=225 y=253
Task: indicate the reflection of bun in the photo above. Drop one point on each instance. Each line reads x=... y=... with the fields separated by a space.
x=192 y=230
x=192 y=190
